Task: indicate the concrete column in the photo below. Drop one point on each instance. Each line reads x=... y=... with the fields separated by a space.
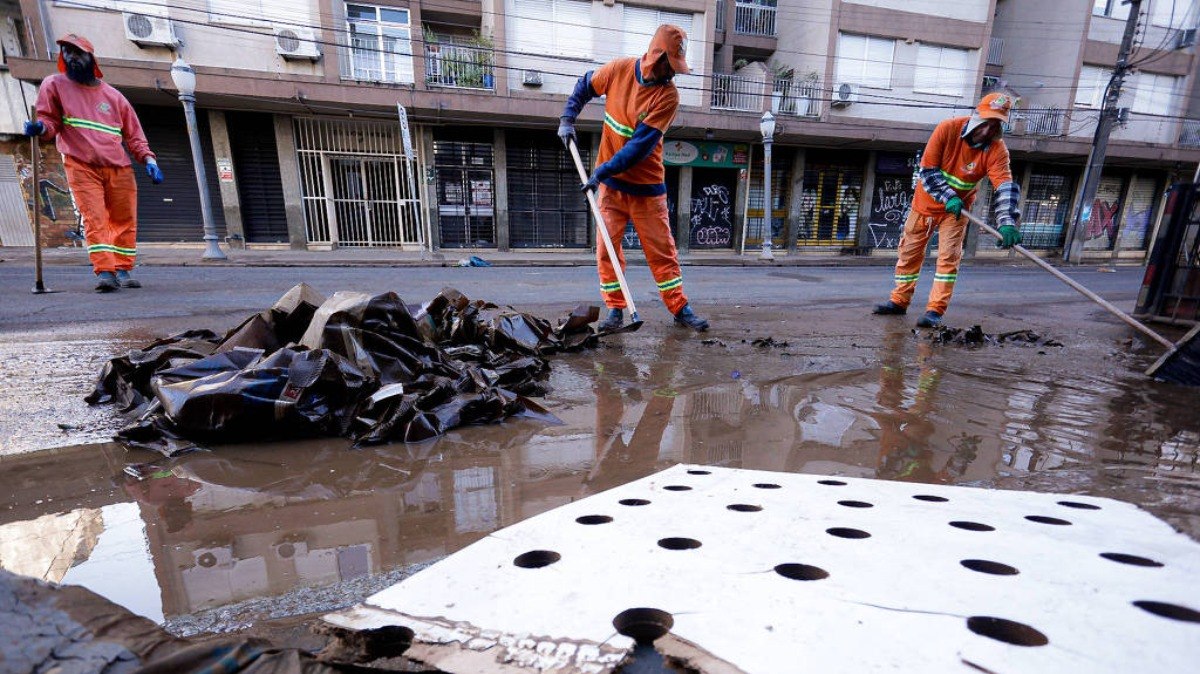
x=500 y=188
x=863 y=235
x=427 y=181
x=741 y=199
x=1026 y=177
x=231 y=203
x=289 y=175
x=795 y=199
x=683 y=233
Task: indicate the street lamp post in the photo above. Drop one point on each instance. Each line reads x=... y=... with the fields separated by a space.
x=767 y=126
x=185 y=82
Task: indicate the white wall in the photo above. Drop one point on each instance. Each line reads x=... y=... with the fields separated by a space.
x=965 y=10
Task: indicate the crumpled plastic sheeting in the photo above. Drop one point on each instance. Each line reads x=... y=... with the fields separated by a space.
x=355 y=365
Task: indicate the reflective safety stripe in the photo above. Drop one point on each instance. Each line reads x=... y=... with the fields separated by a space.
x=92 y=125
x=619 y=128
x=670 y=284
x=614 y=287
x=945 y=278
x=957 y=183
x=907 y=278
x=106 y=248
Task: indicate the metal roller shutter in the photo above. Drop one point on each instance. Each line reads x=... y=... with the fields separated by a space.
x=256 y=168
x=1139 y=212
x=170 y=212
x=545 y=207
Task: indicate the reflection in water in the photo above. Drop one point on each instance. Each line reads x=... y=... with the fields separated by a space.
x=250 y=521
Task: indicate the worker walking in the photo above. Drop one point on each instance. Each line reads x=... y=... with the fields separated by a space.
x=640 y=104
x=88 y=119
x=960 y=153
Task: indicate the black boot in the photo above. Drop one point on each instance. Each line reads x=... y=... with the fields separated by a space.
x=889 y=308
x=686 y=318
x=931 y=319
x=126 y=280
x=106 y=282
x=614 y=320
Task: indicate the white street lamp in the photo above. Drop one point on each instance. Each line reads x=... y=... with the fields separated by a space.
x=767 y=126
x=185 y=82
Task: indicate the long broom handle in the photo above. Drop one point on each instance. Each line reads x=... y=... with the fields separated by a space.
x=608 y=244
x=1130 y=320
x=35 y=160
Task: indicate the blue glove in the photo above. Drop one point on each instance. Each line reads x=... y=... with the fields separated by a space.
x=566 y=131
x=592 y=184
x=154 y=172
x=34 y=128
x=954 y=207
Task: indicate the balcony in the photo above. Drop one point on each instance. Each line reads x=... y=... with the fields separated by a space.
x=754 y=17
x=802 y=98
x=995 y=55
x=459 y=66
x=731 y=92
x=1039 y=122
x=1189 y=135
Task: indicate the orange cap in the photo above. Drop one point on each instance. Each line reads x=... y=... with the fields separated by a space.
x=672 y=41
x=82 y=43
x=995 y=106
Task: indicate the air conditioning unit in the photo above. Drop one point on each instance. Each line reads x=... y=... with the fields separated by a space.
x=844 y=94
x=149 y=31
x=531 y=78
x=296 y=44
x=1185 y=38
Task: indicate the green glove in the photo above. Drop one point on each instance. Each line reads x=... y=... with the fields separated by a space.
x=954 y=207
x=1009 y=236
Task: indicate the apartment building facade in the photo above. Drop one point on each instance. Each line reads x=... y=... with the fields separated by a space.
x=304 y=146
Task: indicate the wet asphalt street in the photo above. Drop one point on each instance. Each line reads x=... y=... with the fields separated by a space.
x=237 y=534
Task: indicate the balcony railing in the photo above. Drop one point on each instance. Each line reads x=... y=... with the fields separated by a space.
x=731 y=92
x=996 y=52
x=802 y=98
x=450 y=65
x=1189 y=135
x=1039 y=122
x=720 y=15
x=754 y=17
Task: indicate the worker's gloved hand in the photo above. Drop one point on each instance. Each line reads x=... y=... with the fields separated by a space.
x=566 y=131
x=154 y=172
x=954 y=207
x=34 y=128
x=1009 y=236
x=592 y=185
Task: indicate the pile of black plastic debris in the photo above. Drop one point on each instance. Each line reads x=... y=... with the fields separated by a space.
x=975 y=336
x=354 y=365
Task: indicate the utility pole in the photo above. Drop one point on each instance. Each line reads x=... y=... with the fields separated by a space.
x=1109 y=111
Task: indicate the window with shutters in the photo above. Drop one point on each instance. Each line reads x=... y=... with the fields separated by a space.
x=1114 y=9
x=257 y=12
x=941 y=70
x=1155 y=94
x=1173 y=13
x=640 y=23
x=550 y=27
x=380 y=44
x=865 y=60
x=1093 y=80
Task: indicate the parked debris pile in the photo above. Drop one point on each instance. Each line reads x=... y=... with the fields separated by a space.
x=354 y=365
x=975 y=336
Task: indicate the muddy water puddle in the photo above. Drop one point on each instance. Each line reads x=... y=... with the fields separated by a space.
x=212 y=529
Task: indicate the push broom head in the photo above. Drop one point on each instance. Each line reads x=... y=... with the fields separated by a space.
x=1180 y=365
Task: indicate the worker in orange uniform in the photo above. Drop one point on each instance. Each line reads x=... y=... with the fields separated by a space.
x=89 y=120
x=640 y=104
x=960 y=153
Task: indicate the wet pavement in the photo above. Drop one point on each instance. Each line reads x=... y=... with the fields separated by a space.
x=223 y=538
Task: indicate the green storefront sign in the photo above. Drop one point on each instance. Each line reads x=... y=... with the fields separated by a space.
x=711 y=155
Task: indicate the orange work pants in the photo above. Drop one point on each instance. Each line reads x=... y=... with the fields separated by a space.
x=653 y=226
x=917 y=230
x=106 y=197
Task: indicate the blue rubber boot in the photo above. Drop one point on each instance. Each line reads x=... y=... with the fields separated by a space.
x=686 y=318
x=614 y=320
x=931 y=319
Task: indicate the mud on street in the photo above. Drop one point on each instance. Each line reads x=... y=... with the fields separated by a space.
x=222 y=540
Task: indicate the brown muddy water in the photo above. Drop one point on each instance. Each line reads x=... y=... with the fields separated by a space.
x=316 y=525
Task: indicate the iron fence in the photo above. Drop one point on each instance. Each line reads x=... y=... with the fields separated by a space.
x=802 y=98
x=1040 y=122
x=995 y=56
x=1189 y=135
x=754 y=17
x=720 y=15
x=731 y=92
x=449 y=65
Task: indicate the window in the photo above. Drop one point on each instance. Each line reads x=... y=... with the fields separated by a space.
x=640 y=23
x=553 y=27
x=380 y=43
x=1155 y=94
x=864 y=60
x=146 y=7
x=1173 y=13
x=1111 y=8
x=1093 y=80
x=941 y=70
x=257 y=12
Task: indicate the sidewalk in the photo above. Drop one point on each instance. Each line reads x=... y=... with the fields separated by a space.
x=183 y=255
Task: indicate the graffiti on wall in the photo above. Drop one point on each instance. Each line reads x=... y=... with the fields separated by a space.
x=712 y=216
x=1103 y=220
x=889 y=207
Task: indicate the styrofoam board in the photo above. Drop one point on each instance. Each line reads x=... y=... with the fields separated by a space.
x=896 y=601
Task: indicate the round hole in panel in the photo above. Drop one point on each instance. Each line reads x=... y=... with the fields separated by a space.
x=1079 y=506
x=972 y=526
x=677 y=487
x=594 y=519
x=536 y=559
x=634 y=502
x=699 y=472
x=676 y=543
x=801 y=571
x=846 y=532
x=744 y=507
x=1132 y=560
x=643 y=625
x=1042 y=519
x=1172 y=611
x=986 y=566
x=767 y=485
x=856 y=504
x=931 y=498
x=832 y=483
x=1008 y=631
